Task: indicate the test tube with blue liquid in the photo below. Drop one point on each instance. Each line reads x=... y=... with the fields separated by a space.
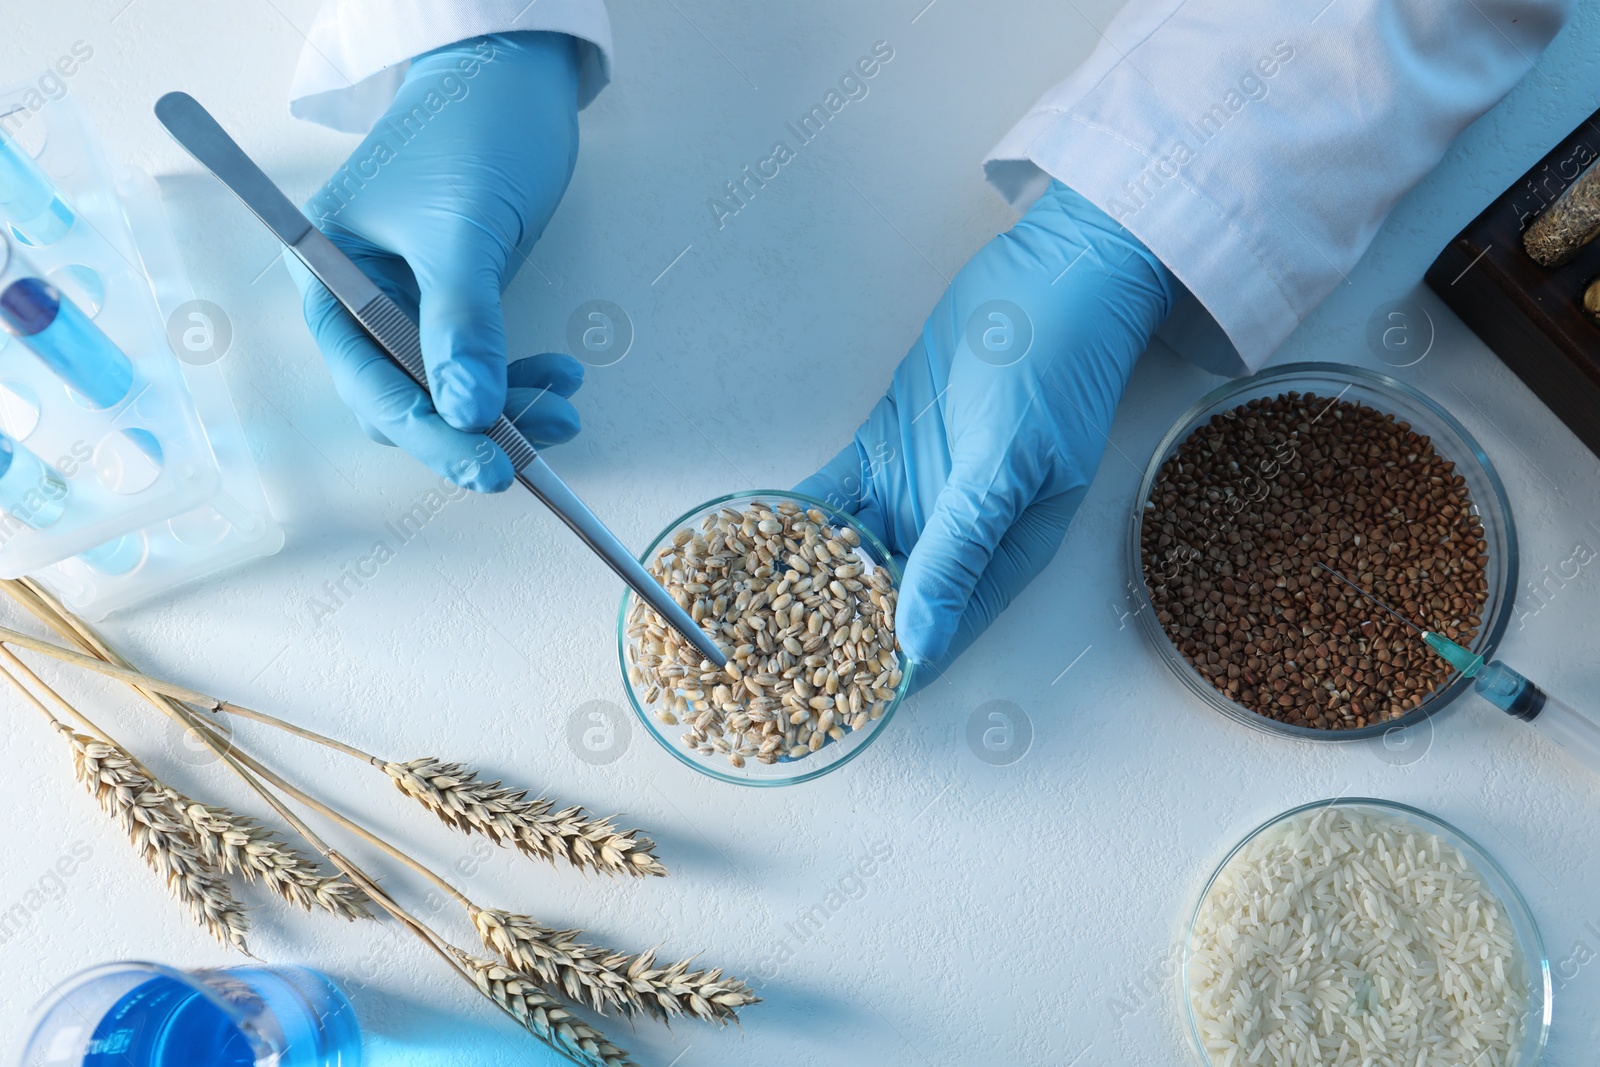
x=56 y=330
x=30 y=492
x=28 y=198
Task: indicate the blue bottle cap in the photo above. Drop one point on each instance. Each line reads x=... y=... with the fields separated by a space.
x=29 y=305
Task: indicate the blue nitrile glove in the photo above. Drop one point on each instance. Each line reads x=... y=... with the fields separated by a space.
x=972 y=466
x=439 y=205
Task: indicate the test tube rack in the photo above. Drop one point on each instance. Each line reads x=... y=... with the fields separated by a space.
x=161 y=486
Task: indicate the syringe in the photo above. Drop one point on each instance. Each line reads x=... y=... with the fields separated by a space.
x=1576 y=734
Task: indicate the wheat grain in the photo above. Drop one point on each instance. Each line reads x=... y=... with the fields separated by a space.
x=154 y=822
x=539 y=1013
x=464 y=802
x=234 y=842
x=607 y=980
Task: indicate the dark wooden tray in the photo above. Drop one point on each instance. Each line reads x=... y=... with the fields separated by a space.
x=1530 y=316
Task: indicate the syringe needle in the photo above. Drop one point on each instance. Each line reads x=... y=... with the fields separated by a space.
x=1370 y=597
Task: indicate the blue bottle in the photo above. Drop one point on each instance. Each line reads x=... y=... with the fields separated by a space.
x=164 y=1022
x=60 y=334
x=146 y=1015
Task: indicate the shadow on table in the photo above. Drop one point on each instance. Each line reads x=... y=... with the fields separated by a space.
x=684 y=850
x=400 y=1032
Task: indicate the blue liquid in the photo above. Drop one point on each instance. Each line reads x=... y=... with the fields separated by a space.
x=145 y=442
x=116 y=557
x=297 y=1018
x=1508 y=690
x=72 y=346
x=164 y=1023
x=28 y=199
x=30 y=492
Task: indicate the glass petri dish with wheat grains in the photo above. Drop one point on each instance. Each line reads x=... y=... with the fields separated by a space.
x=802 y=598
x=1327 y=671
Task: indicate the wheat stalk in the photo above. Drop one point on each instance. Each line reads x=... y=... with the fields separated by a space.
x=607 y=980
x=235 y=842
x=144 y=808
x=556 y=960
x=226 y=840
x=450 y=790
x=456 y=795
x=604 y=979
x=154 y=821
x=464 y=802
x=538 y=1012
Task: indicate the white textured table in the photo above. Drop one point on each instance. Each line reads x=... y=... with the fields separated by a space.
x=1025 y=913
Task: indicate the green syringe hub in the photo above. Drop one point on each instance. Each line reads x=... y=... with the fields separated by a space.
x=1453 y=654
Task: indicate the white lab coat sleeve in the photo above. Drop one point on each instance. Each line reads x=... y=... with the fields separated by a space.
x=1255 y=146
x=357 y=52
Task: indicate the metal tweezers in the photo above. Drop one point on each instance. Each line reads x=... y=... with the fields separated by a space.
x=389 y=325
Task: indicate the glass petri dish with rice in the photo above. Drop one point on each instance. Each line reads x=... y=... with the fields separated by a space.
x=1359 y=931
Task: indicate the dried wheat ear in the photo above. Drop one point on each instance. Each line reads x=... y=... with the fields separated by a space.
x=194 y=846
